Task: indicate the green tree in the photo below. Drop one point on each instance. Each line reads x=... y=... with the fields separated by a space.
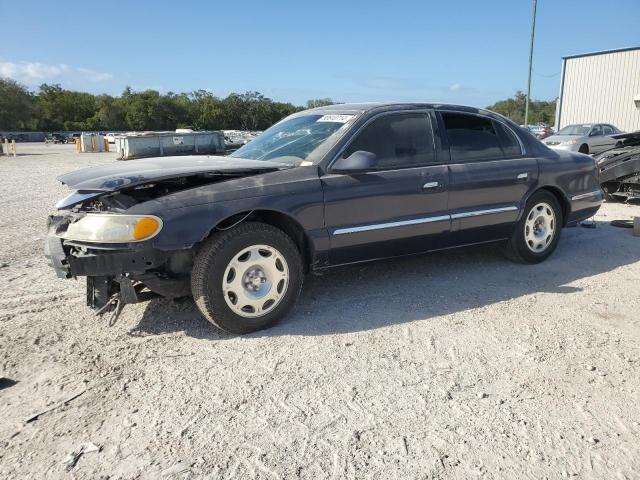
x=64 y=109
x=17 y=106
x=320 y=102
x=150 y=110
x=206 y=110
x=109 y=116
x=143 y=111
x=55 y=108
x=540 y=111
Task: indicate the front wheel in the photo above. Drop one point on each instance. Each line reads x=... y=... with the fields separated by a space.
x=537 y=233
x=247 y=278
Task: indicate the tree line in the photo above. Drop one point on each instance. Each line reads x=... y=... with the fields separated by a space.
x=540 y=111
x=53 y=108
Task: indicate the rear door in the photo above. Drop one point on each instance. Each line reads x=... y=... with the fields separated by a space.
x=400 y=206
x=489 y=177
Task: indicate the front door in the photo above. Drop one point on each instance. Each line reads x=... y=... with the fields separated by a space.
x=398 y=207
x=489 y=177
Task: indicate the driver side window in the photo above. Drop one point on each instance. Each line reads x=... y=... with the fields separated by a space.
x=596 y=130
x=399 y=140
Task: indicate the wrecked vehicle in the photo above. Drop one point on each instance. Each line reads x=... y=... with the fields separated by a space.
x=323 y=187
x=620 y=168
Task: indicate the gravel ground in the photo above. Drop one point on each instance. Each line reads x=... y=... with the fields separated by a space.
x=455 y=365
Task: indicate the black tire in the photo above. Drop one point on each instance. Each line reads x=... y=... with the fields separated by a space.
x=214 y=257
x=622 y=223
x=517 y=248
x=584 y=148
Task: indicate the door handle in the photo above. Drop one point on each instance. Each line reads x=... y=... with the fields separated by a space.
x=522 y=177
x=429 y=185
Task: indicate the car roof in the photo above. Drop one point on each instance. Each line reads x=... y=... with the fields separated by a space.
x=380 y=107
x=358 y=108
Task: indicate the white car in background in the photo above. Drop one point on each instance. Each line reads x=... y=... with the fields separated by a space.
x=541 y=130
x=586 y=138
x=111 y=137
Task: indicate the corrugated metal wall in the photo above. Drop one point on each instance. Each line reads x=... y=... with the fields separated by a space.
x=601 y=88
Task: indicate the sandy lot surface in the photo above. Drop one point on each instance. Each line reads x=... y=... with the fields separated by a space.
x=455 y=365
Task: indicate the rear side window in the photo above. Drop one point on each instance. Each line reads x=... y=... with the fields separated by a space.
x=474 y=138
x=399 y=140
x=607 y=130
x=508 y=141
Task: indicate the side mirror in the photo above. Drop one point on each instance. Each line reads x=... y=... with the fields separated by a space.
x=358 y=161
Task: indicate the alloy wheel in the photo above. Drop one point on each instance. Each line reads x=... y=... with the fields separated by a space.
x=540 y=227
x=255 y=281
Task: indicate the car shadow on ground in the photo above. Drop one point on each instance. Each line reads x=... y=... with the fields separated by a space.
x=375 y=295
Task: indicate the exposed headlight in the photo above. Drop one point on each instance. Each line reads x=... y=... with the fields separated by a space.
x=569 y=142
x=106 y=228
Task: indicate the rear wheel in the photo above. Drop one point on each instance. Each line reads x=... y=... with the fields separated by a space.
x=537 y=233
x=247 y=278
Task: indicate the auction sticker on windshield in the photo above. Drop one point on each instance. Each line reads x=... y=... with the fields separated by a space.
x=335 y=118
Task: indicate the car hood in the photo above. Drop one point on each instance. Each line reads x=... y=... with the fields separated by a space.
x=116 y=176
x=562 y=138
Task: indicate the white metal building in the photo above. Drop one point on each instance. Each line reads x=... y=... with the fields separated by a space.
x=602 y=87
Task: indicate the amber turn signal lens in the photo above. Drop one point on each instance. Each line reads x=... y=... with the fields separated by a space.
x=145 y=227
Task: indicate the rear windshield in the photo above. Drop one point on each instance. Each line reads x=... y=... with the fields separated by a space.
x=295 y=139
x=575 y=130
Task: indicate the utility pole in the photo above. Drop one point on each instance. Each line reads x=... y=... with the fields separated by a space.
x=533 y=31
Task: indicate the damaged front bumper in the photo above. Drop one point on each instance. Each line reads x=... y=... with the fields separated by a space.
x=70 y=259
x=120 y=274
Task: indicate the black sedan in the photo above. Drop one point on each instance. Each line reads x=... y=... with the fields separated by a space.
x=323 y=187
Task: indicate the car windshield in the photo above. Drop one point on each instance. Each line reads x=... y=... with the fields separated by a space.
x=575 y=130
x=294 y=140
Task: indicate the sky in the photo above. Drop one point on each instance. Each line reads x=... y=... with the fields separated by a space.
x=467 y=52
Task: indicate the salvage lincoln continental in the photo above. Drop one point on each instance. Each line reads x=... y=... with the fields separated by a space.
x=323 y=187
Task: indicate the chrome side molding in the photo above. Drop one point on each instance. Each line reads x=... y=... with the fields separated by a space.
x=417 y=221
x=380 y=226
x=586 y=195
x=477 y=213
